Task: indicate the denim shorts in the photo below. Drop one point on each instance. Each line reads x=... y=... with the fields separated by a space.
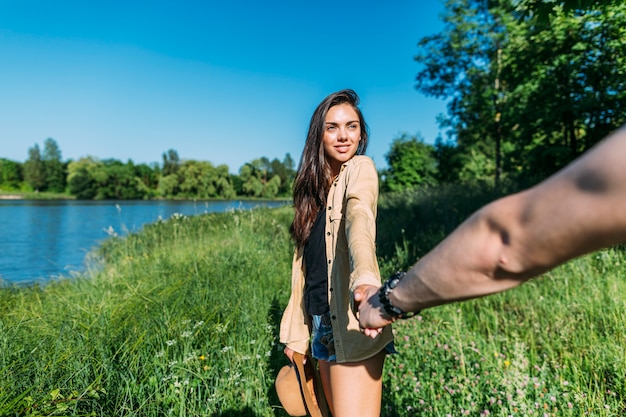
x=323 y=342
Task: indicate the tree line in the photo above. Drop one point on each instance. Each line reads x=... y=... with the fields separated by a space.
x=530 y=85
x=412 y=163
x=92 y=178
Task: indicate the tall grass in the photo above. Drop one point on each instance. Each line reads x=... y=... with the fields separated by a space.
x=555 y=346
x=412 y=222
x=182 y=319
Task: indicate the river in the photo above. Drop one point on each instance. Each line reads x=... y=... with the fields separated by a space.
x=46 y=239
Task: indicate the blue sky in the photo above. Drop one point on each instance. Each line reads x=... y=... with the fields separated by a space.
x=219 y=81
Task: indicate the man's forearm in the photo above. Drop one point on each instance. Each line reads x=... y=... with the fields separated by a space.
x=469 y=263
x=580 y=209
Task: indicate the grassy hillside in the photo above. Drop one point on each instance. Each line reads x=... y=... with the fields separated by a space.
x=182 y=319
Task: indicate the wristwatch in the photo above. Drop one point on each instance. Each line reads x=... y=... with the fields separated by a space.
x=383 y=296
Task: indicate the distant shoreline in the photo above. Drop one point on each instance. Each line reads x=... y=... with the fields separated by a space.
x=11 y=197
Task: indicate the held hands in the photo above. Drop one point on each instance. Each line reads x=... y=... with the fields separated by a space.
x=372 y=317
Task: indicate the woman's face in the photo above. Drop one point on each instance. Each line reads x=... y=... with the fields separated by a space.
x=342 y=133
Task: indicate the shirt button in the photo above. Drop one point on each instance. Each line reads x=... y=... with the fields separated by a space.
x=334 y=317
x=329 y=261
x=331 y=289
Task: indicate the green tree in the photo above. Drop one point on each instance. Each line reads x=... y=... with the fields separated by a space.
x=116 y=180
x=542 y=10
x=34 y=171
x=449 y=161
x=54 y=167
x=237 y=183
x=171 y=162
x=567 y=79
x=197 y=179
x=411 y=163
x=285 y=171
x=10 y=174
x=223 y=184
x=147 y=179
x=272 y=187
x=81 y=178
x=251 y=179
x=526 y=95
x=259 y=179
x=168 y=186
x=462 y=65
x=91 y=178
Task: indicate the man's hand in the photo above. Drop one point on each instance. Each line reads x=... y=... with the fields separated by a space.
x=372 y=317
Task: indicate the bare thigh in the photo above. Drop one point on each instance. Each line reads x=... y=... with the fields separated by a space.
x=354 y=389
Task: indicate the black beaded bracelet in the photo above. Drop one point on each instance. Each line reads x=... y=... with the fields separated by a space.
x=383 y=296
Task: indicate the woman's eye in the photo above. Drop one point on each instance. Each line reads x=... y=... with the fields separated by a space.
x=330 y=127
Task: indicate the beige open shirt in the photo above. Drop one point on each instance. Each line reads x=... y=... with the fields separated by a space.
x=351 y=253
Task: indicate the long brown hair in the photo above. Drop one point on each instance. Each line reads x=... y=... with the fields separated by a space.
x=314 y=176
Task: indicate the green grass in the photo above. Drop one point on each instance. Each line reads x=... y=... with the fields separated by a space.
x=182 y=319
x=554 y=347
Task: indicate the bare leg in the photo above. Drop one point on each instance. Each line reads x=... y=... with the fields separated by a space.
x=354 y=389
x=324 y=368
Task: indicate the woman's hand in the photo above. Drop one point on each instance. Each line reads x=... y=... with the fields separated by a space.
x=289 y=353
x=371 y=317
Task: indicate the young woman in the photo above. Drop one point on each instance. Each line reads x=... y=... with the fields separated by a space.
x=334 y=230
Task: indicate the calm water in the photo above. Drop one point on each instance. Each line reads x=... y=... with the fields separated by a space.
x=40 y=240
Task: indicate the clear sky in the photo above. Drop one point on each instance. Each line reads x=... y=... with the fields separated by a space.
x=219 y=81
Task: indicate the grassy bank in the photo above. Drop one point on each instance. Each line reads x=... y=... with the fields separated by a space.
x=182 y=319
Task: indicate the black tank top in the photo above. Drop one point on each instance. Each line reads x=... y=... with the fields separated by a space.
x=316 y=267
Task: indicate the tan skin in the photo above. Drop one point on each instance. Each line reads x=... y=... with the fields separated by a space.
x=352 y=389
x=578 y=210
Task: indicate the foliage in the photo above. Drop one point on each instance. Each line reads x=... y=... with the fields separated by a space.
x=92 y=178
x=543 y=10
x=526 y=95
x=265 y=178
x=53 y=166
x=34 y=170
x=182 y=319
x=147 y=178
x=411 y=222
x=411 y=164
x=569 y=78
x=202 y=180
x=171 y=161
x=81 y=179
x=116 y=180
x=10 y=174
